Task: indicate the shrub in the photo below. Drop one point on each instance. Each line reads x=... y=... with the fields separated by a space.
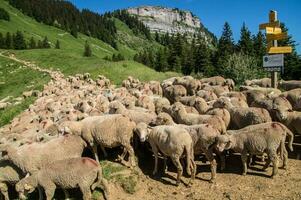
x=4 y=14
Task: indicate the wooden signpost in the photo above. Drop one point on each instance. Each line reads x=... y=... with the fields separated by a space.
x=274 y=33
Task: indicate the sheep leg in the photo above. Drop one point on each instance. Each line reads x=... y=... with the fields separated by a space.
x=267 y=164
x=274 y=159
x=130 y=150
x=223 y=160
x=104 y=151
x=244 y=159
x=285 y=155
x=164 y=164
x=210 y=157
x=66 y=194
x=121 y=157
x=41 y=194
x=176 y=161
x=155 y=151
x=103 y=184
x=94 y=149
x=4 y=191
x=86 y=192
x=49 y=190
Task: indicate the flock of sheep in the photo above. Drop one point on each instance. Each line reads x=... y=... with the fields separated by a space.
x=181 y=117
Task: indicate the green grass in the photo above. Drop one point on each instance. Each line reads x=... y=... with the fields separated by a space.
x=113 y=173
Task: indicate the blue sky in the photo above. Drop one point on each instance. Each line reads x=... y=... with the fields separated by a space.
x=213 y=13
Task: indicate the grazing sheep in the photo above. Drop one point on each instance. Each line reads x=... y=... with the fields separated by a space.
x=82 y=173
x=294 y=97
x=174 y=92
x=161 y=103
x=272 y=104
x=203 y=137
x=189 y=83
x=217 y=89
x=257 y=139
x=264 y=82
x=222 y=113
x=44 y=153
x=292 y=119
x=107 y=131
x=171 y=141
x=181 y=116
x=117 y=108
x=215 y=80
x=206 y=95
x=289 y=85
x=9 y=174
x=242 y=117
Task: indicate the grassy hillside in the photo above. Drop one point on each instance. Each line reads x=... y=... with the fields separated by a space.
x=69 y=59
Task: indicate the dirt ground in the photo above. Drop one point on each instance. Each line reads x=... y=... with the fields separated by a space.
x=230 y=184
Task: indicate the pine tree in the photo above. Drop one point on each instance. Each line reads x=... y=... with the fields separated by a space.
x=88 y=51
x=46 y=43
x=259 y=47
x=225 y=48
x=2 y=41
x=19 y=41
x=40 y=44
x=57 y=44
x=292 y=61
x=32 y=43
x=157 y=37
x=9 y=41
x=226 y=42
x=245 y=43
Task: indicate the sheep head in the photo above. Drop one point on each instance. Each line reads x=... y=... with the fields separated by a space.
x=223 y=142
x=142 y=130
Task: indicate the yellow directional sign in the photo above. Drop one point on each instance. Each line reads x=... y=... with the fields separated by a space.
x=271 y=24
x=276 y=50
x=273 y=30
x=279 y=36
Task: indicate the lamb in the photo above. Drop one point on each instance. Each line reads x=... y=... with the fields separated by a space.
x=117 y=108
x=181 y=116
x=242 y=117
x=292 y=119
x=107 y=131
x=215 y=80
x=171 y=141
x=9 y=174
x=258 y=139
x=82 y=173
x=45 y=153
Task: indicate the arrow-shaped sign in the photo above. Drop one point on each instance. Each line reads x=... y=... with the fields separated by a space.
x=279 y=36
x=277 y=50
x=273 y=30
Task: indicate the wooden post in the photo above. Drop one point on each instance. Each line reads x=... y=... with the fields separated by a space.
x=274 y=75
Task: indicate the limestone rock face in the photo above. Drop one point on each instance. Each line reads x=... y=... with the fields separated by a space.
x=166 y=19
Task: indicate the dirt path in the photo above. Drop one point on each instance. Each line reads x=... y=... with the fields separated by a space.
x=229 y=185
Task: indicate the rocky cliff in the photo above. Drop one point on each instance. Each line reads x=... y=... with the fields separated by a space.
x=170 y=20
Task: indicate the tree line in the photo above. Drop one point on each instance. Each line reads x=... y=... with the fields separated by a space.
x=66 y=16
x=241 y=60
x=17 y=41
x=4 y=14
